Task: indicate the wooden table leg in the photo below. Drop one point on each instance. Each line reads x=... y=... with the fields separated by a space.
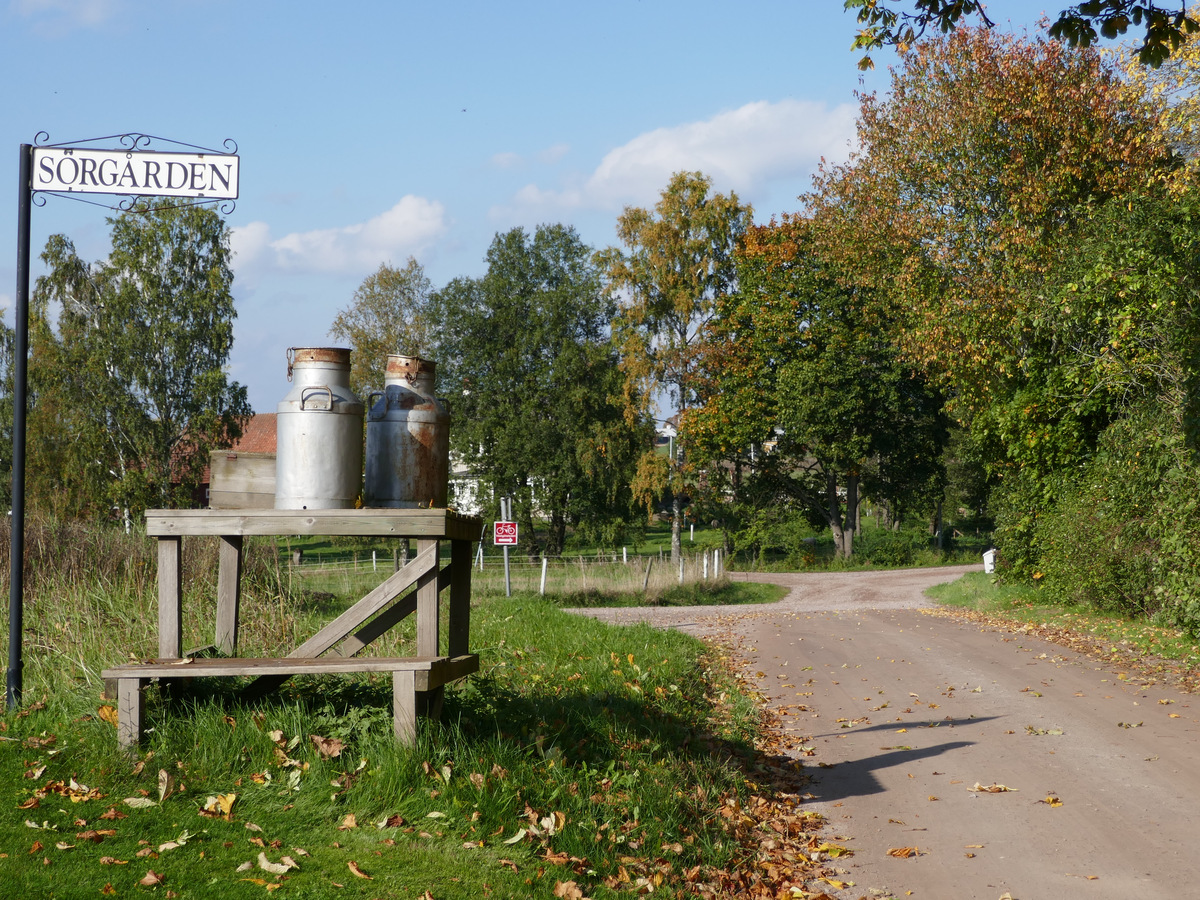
x=170 y=598
x=404 y=706
x=428 y=634
x=229 y=594
x=459 y=625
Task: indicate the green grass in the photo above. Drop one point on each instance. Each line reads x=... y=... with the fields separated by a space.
x=989 y=595
x=696 y=593
x=580 y=752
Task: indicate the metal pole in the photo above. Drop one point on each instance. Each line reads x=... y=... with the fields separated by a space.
x=16 y=565
x=505 y=513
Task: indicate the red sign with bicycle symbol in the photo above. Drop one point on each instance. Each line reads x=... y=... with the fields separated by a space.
x=504 y=533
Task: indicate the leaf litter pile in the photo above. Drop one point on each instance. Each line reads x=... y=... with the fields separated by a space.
x=1142 y=667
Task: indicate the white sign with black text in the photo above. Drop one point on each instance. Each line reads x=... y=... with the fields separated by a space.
x=210 y=176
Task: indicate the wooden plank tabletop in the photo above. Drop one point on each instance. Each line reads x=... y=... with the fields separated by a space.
x=413 y=523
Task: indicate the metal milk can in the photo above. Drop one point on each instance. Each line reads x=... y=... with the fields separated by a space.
x=318 y=456
x=408 y=438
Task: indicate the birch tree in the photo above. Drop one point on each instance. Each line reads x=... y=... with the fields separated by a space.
x=678 y=259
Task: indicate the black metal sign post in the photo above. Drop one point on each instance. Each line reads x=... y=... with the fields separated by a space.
x=16 y=534
x=71 y=169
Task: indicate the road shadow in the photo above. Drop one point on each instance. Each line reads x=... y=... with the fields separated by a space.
x=856 y=777
x=892 y=726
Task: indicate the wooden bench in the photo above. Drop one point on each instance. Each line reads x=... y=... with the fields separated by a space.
x=411 y=676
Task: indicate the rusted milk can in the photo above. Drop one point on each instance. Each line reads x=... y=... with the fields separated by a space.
x=318 y=455
x=408 y=438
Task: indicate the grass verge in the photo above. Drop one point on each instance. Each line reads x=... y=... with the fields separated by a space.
x=1150 y=653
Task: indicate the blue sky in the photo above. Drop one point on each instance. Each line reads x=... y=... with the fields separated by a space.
x=373 y=131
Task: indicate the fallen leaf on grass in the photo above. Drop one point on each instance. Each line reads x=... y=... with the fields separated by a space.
x=113 y=861
x=327 y=748
x=355 y=870
x=94 y=835
x=166 y=785
x=567 y=890
x=279 y=868
x=139 y=802
x=219 y=807
x=151 y=879
x=350 y=821
x=108 y=714
x=990 y=789
x=904 y=852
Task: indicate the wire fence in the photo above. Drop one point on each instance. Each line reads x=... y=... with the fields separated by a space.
x=618 y=571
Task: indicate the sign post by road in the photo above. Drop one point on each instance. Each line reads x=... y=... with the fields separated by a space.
x=130 y=170
x=504 y=534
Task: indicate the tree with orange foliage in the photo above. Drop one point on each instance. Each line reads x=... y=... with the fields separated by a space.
x=968 y=179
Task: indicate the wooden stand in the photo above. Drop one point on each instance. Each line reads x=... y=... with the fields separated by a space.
x=414 y=588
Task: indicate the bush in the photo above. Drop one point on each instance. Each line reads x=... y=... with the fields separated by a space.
x=1124 y=536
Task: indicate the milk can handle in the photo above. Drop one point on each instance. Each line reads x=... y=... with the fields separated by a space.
x=371 y=402
x=317 y=387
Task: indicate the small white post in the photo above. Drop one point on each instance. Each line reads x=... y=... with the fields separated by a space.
x=374 y=564
x=693 y=532
x=705 y=576
x=681 y=568
x=625 y=555
x=544 y=561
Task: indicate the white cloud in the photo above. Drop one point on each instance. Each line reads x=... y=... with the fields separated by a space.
x=548 y=157
x=748 y=149
x=551 y=155
x=507 y=160
x=406 y=229
x=78 y=13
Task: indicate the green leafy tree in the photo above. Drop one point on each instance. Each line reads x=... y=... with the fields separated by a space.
x=535 y=388
x=678 y=260
x=797 y=357
x=129 y=389
x=1164 y=27
x=7 y=341
x=388 y=314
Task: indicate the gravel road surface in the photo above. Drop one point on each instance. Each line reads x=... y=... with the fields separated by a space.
x=904 y=717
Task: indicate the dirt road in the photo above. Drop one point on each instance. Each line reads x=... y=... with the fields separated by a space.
x=902 y=715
